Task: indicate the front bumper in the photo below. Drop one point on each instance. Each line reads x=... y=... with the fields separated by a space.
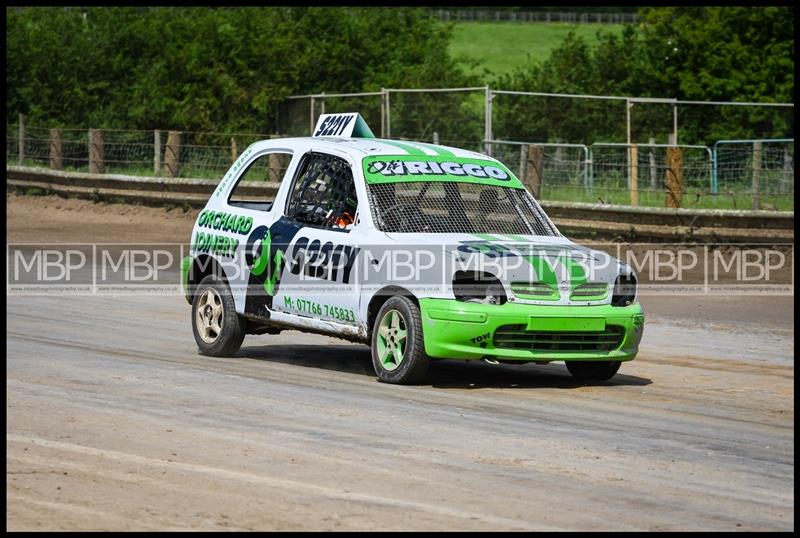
x=460 y=330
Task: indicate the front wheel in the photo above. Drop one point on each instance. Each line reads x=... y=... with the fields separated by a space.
x=593 y=370
x=398 y=352
x=218 y=329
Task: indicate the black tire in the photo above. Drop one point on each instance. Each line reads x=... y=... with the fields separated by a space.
x=413 y=364
x=593 y=370
x=232 y=327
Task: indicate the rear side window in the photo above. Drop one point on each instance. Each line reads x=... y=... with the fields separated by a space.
x=252 y=189
x=324 y=193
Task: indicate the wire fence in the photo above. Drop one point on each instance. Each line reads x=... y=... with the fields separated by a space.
x=533 y=16
x=559 y=124
x=469 y=115
x=736 y=174
x=748 y=174
x=769 y=165
x=127 y=152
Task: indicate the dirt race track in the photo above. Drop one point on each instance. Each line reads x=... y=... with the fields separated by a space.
x=115 y=422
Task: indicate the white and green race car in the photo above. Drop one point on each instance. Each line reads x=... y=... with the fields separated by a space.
x=421 y=251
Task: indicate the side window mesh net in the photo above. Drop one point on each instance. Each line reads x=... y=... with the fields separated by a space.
x=323 y=188
x=451 y=207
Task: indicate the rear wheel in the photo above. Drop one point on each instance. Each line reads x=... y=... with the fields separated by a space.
x=398 y=352
x=593 y=370
x=218 y=329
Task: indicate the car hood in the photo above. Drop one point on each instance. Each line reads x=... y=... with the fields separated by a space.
x=527 y=265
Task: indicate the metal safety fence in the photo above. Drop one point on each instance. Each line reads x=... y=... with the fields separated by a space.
x=769 y=165
x=467 y=116
x=451 y=116
x=729 y=174
x=564 y=17
x=747 y=174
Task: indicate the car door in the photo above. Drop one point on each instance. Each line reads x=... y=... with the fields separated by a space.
x=250 y=200
x=316 y=242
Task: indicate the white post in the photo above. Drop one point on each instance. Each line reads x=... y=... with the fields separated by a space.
x=487 y=128
x=388 y=116
x=634 y=173
x=311 y=118
x=628 y=106
x=383 y=111
x=653 y=176
x=675 y=122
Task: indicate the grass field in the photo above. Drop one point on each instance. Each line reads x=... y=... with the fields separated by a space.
x=500 y=47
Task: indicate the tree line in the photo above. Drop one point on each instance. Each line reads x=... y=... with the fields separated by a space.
x=227 y=69
x=741 y=54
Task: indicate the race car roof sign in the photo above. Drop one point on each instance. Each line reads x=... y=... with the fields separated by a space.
x=346 y=125
x=402 y=168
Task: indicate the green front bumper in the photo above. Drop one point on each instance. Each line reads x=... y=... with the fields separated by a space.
x=459 y=330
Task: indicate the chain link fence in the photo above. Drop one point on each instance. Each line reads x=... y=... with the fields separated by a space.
x=764 y=168
x=552 y=138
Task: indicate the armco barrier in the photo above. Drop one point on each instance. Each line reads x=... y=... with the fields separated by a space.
x=193 y=192
x=578 y=219
x=646 y=223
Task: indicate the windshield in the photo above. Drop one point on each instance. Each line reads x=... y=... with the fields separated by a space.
x=456 y=207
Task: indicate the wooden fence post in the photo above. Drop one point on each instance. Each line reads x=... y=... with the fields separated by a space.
x=634 y=172
x=172 y=154
x=157 y=153
x=56 y=152
x=756 y=175
x=275 y=164
x=21 y=133
x=674 y=177
x=234 y=150
x=96 y=152
x=788 y=171
x=534 y=169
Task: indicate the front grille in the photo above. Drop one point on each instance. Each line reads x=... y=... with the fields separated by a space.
x=590 y=290
x=516 y=337
x=534 y=290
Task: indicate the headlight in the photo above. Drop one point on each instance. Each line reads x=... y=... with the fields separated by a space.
x=624 y=290
x=478 y=288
